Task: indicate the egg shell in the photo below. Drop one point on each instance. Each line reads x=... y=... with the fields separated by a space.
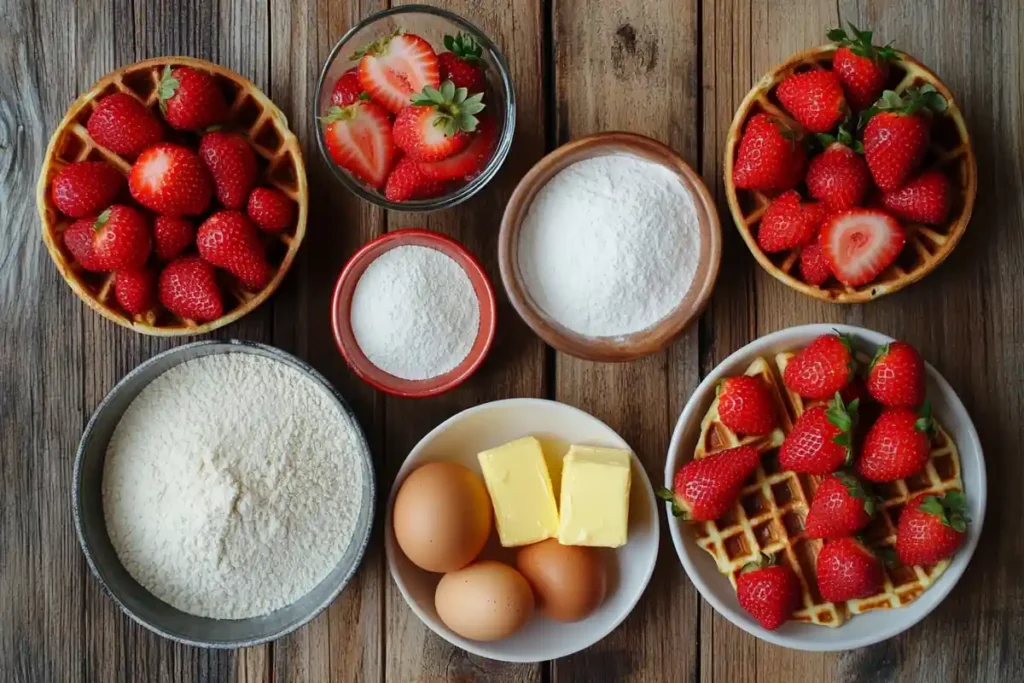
x=485 y=601
x=442 y=516
x=569 y=581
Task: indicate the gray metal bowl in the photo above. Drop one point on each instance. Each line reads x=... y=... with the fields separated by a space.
x=139 y=603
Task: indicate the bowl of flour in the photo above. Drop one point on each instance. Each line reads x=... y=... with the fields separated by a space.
x=609 y=247
x=224 y=494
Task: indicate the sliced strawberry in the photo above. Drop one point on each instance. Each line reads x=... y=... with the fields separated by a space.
x=924 y=199
x=438 y=123
x=359 y=139
x=393 y=68
x=406 y=182
x=347 y=89
x=468 y=163
x=860 y=243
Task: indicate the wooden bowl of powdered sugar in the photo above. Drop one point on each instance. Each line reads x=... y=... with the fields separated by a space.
x=609 y=247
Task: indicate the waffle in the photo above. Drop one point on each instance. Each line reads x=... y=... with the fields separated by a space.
x=769 y=515
x=927 y=246
x=251 y=113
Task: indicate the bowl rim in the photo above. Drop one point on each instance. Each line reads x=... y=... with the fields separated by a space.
x=504 y=141
x=357 y=361
x=239 y=346
x=694 y=411
x=692 y=302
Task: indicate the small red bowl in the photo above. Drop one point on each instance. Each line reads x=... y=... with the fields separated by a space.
x=341 y=321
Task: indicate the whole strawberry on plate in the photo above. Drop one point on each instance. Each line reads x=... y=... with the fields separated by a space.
x=86 y=188
x=814 y=98
x=842 y=506
x=228 y=240
x=861 y=67
x=706 y=488
x=771 y=155
x=897 y=133
x=232 y=164
x=188 y=288
x=395 y=67
x=788 y=223
x=931 y=528
x=897 y=445
x=847 y=570
x=822 y=368
x=746 y=407
x=896 y=377
x=924 y=199
x=191 y=99
x=839 y=177
x=821 y=440
x=769 y=592
x=124 y=125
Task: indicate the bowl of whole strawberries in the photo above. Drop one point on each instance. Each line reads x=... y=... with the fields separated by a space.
x=173 y=196
x=849 y=170
x=415 y=109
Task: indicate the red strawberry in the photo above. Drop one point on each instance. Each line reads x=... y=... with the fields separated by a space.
x=745 y=406
x=897 y=133
x=122 y=239
x=862 y=68
x=228 y=240
x=171 y=179
x=438 y=123
x=406 y=182
x=814 y=98
x=85 y=188
x=931 y=528
x=232 y=165
x=358 y=138
x=347 y=89
x=822 y=368
x=191 y=99
x=705 y=489
x=135 y=290
x=861 y=243
x=896 y=376
x=768 y=592
x=771 y=155
x=848 y=571
x=124 y=125
x=924 y=199
x=814 y=266
x=787 y=223
x=897 y=445
x=393 y=68
x=842 y=506
x=171 y=236
x=188 y=289
x=78 y=240
x=838 y=177
x=821 y=439
x=271 y=210
x=461 y=64
x=468 y=163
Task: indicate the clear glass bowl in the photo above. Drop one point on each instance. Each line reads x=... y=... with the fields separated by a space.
x=431 y=24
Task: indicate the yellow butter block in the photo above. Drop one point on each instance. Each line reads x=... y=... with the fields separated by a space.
x=594 y=504
x=517 y=479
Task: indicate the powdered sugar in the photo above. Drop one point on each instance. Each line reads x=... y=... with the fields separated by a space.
x=609 y=245
x=414 y=313
x=232 y=486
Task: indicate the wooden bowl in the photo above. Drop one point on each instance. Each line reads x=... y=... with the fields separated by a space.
x=927 y=245
x=691 y=301
x=251 y=113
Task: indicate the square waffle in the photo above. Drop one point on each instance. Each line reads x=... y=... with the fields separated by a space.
x=769 y=515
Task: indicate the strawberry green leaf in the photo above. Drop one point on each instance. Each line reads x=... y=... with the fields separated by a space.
x=449 y=43
x=668 y=496
x=924 y=422
x=880 y=353
x=101 y=220
x=166 y=88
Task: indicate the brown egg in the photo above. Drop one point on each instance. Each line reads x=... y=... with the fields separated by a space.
x=442 y=516
x=569 y=581
x=485 y=601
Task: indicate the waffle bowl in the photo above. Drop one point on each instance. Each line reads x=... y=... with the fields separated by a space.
x=251 y=113
x=927 y=246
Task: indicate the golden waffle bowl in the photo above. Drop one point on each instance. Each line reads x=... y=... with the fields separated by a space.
x=251 y=113
x=769 y=515
x=927 y=246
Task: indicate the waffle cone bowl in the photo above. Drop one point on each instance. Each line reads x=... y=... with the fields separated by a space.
x=250 y=113
x=951 y=151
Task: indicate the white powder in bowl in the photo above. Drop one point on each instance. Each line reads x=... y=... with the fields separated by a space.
x=610 y=245
x=232 y=486
x=414 y=313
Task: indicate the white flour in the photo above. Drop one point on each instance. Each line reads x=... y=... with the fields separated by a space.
x=231 y=486
x=610 y=245
x=414 y=313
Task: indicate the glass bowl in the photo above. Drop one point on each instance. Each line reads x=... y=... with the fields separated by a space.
x=431 y=24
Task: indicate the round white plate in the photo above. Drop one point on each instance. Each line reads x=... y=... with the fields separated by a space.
x=863 y=629
x=459 y=439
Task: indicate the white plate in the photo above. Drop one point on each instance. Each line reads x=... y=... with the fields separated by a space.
x=863 y=629
x=459 y=439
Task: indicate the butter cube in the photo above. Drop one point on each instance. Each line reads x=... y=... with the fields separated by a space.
x=594 y=504
x=517 y=479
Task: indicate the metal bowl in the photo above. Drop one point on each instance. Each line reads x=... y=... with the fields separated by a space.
x=139 y=603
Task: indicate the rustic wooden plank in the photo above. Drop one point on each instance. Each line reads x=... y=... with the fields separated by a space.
x=516 y=363
x=634 y=67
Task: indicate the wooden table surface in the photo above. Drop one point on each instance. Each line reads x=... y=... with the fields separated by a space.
x=674 y=70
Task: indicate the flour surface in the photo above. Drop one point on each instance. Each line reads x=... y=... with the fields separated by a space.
x=232 y=486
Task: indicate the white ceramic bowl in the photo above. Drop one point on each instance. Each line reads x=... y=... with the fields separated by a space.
x=863 y=629
x=459 y=439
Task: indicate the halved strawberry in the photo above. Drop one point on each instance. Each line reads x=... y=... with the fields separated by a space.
x=393 y=68
x=860 y=243
x=469 y=162
x=359 y=139
x=438 y=123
